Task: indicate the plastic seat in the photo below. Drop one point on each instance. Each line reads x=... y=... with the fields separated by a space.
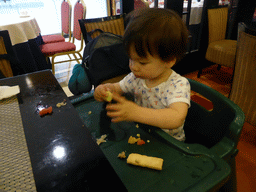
x=6 y=54
x=218 y=129
x=66 y=12
x=220 y=50
x=54 y=50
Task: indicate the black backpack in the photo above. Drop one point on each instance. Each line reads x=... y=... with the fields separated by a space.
x=104 y=57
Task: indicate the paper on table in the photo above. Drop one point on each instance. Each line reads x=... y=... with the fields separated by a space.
x=67 y=91
x=7 y=91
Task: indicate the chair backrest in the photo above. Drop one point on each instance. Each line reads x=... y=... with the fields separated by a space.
x=208 y=127
x=217 y=22
x=140 y=4
x=6 y=54
x=66 y=12
x=112 y=24
x=79 y=13
x=244 y=82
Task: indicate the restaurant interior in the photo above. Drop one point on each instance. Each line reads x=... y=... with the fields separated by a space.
x=51 y=36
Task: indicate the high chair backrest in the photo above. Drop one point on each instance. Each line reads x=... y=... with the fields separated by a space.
x=66 y=12
x=217 y=22
x=212 y=128
x=112 y=24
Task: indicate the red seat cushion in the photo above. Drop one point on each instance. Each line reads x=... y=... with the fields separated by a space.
x=53 y=48
x=53 y=38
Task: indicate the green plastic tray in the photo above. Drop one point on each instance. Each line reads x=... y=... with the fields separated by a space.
x=186 y=167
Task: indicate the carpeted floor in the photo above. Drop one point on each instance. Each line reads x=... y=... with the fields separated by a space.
x=246 y=159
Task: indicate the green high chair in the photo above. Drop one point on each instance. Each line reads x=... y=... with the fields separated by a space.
x=218 y=129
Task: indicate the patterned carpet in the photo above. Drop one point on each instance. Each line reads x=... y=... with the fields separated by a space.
x=246 y=159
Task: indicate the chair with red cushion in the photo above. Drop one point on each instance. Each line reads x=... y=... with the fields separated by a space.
x=140 y=4
x=67 y=48
x=66 y=12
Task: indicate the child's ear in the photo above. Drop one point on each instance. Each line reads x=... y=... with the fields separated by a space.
x=171 y=63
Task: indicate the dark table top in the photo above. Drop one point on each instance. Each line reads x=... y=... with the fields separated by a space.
x=64 y=156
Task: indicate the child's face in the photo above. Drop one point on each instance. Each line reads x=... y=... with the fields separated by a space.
x=148 y=68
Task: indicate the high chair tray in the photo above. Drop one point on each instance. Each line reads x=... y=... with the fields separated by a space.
x=186 y=167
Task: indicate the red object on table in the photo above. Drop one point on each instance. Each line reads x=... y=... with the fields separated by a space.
x=140 y=142
x=45 y=111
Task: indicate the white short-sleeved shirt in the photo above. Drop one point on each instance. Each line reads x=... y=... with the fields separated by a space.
x=175 y=89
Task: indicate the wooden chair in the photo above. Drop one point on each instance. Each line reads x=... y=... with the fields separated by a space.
x=66 y=12
x=54 y=50
x=112 y=24
x=243 y=91
x=220 y=50
x=6 y=54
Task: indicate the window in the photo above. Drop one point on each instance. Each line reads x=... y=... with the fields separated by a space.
x=48 y=12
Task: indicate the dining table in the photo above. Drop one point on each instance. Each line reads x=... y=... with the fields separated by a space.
x=25 y=37
x=51 y=152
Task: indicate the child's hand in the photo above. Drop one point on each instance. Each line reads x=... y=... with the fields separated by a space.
x=123 y=110
x=100 y=92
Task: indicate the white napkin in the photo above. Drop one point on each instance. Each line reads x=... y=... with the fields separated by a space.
x=7 y=91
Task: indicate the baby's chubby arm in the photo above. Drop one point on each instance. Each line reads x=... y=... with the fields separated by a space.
x=100 y=92
x=167 y=118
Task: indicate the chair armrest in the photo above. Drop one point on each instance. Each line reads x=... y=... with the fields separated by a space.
x=191 y=149
x=224 y=149
x=85 y=96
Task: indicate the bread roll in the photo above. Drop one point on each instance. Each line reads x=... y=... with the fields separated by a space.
x=145 y=161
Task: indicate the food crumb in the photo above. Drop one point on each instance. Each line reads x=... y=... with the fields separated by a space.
x=138 y=135
x=133 y=140
x=90 y=112
x=109 y=96
x=121 y=155
x=101 y=139
x=148 y=141
x=63 y=103
x=137 y=126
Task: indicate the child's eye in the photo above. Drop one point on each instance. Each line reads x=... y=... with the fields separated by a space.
x=143 y=63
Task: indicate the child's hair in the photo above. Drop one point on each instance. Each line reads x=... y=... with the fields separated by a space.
x=159 y=32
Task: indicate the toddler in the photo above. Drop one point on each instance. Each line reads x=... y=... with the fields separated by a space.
x=155 y=39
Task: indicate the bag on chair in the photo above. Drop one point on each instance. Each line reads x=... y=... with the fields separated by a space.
x=79 y=82
x=104 y=58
